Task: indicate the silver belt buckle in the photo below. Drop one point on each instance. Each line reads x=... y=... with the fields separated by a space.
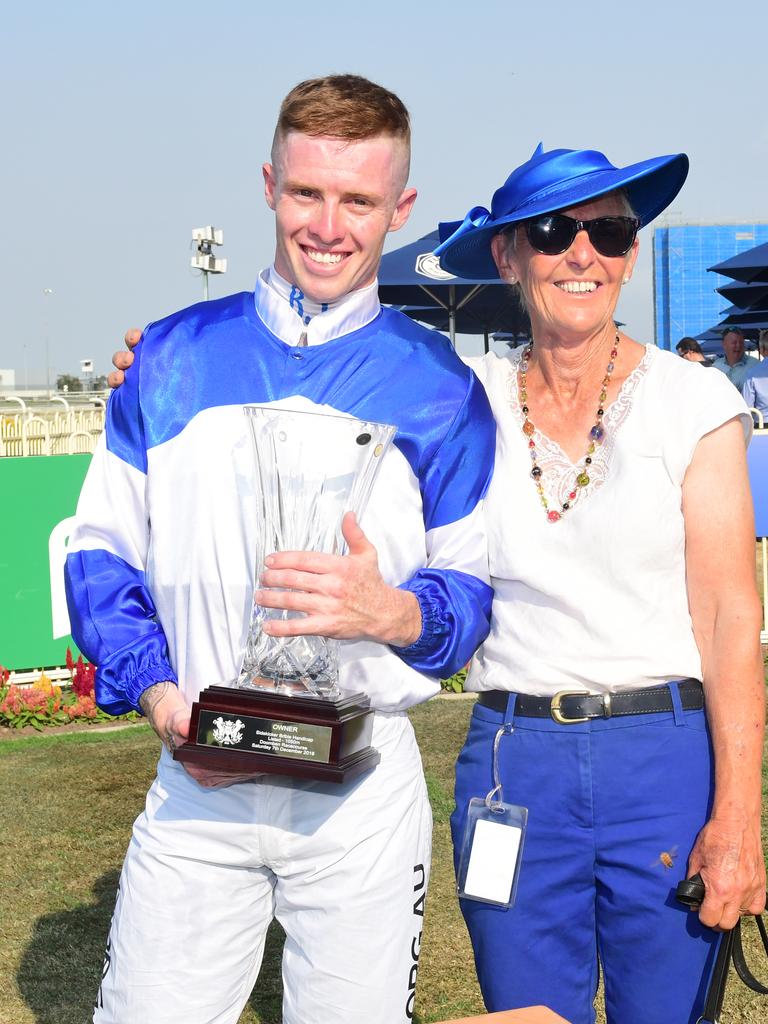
x=555 y=703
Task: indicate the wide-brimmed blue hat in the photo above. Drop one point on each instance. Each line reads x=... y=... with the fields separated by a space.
x=554 y=181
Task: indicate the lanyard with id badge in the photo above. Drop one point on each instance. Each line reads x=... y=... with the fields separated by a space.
x=492 y=844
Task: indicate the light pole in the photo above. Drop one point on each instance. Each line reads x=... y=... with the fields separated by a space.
x=86 y=373
x=47 y=292
x=204 y=260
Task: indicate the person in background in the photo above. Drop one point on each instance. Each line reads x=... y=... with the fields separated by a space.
x=755 y=387
x=620 y=691
x=691 y=350
x=734 y=362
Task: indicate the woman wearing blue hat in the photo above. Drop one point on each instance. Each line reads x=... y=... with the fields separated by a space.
x=622 y=558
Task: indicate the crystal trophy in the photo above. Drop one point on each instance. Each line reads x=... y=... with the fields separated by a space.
x=286 y=713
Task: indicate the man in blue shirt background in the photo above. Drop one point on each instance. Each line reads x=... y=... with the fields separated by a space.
x=734 y=363
x=755 y=387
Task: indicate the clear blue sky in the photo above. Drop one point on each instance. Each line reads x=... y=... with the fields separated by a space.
x=125 y=126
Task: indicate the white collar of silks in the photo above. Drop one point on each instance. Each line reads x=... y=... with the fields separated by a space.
x=287 y=312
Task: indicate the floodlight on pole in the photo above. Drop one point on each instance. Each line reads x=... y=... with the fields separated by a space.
x=204 y=260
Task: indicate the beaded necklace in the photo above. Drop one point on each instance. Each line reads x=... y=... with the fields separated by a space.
x=596 y=435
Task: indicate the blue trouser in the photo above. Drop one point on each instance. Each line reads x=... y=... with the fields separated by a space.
x=605 y=799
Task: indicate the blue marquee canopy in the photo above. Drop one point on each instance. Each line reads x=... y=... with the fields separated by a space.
x=412 y=279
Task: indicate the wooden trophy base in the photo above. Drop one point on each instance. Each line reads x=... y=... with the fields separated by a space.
x=242 y=730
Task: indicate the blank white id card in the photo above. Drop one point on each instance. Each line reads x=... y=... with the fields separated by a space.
x=491 y=851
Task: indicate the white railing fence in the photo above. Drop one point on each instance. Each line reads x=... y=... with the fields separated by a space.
x=48 y=428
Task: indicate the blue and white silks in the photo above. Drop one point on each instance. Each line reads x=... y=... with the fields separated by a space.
x=160 y=565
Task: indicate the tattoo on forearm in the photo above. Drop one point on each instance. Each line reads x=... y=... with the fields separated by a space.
x=149 y=701
x=152 y=697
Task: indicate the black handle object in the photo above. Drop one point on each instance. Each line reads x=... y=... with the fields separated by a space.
x=690 y=892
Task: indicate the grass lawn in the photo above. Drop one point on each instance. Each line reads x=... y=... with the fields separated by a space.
x=66 y=808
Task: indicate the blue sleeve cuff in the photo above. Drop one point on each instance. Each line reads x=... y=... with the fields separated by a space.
x=433 y=623
x=455 y=613
x=126 y=674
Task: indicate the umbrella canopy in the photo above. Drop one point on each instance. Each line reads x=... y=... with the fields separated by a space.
x=412 y=279
x=749 y=266
x=469 y=321
x=484 y=312
x=745 y=295
x=756 y=319
x=729 y=311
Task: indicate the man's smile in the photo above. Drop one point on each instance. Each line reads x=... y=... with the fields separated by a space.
x=323 y=256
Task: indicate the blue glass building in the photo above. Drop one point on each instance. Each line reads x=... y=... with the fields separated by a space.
x=685 y=300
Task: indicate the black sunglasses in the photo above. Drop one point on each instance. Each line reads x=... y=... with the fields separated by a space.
x=553 y=233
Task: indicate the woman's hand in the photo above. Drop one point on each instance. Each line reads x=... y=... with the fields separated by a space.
x=726 y=615
x=728 y=855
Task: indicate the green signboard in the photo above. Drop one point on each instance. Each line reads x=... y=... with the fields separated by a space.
x=39 y=499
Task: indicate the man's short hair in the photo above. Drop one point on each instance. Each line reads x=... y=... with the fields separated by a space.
x=688 y=345
x=733 y=330
x=342 y=107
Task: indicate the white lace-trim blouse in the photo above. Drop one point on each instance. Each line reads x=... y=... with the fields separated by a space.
x=598 y=600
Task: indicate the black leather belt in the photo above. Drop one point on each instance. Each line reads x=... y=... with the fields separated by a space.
x=570 y=706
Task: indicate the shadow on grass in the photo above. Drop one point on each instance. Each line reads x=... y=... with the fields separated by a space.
x=267 y=996
x=60 y=970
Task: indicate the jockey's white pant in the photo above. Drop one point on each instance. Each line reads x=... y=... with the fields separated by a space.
x=344 y=868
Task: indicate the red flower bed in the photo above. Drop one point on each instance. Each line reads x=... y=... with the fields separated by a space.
x=44 y=704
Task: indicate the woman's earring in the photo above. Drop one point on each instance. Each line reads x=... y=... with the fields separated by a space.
x=626 y=279
x=512 y=279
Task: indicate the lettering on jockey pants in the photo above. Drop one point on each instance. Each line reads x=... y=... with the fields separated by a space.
x=107 y=958
x=420 y=892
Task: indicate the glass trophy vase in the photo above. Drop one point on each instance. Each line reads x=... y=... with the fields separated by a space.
x=311 y=468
